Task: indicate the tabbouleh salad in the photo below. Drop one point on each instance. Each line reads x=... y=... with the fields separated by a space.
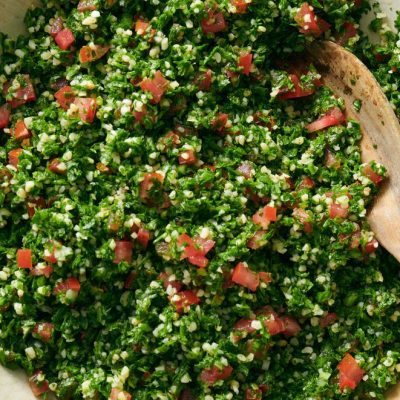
x=183 y=206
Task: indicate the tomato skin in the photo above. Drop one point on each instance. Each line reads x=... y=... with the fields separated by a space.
x=33 y=204
x=65 y=97
x=195 y=249
x=245 y=62
x=24 y=258
x=211 y=375
x=329 y=319
x=156 y=86
x=38 y=388
x=69 y=284
x=25 y=94
x=332 y=118
x=372 y=175
x=143 y=237
x=350 y=373
x=92 y=53
x=292 y=327
x=337 y=211
x=65 y=39
x=123 y=251
x=371 y=246
x=86 y=5
x=296 y=92
x=117 y=394
x=5 y=115
x=87 y=108
x=244 y=276
x=186 y=299
x=214 y=23
x=56 y=27
x=205 y=80
x=314 y=26
x=265 y=216
x=20 y=131
x=13 y=157
x=44 y=330
x=188 y=157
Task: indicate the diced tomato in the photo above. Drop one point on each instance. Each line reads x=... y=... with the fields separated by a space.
x=195 y=249
x=86 y=108
x=65 y=97
x=143 y=237
x=25 y=93
x=56 y=27
x=34 y=204
x=20 y=131
x=5 y=115
x=304 y=218
x=257 y=241
x=309 y=23
x=241 y=6
x=156 y=86
x=92 y=53
x=219 y=122
x=188 y=157
x=350 y=373
x=38 y=387
x=265 y=216
x=307 y=183
x=51 y=258
x=13 y=157
x=186 y=299
x=214 y=23
x=211 y=375
x=244 y=276
x=338 y=211
x=69 y=284
x=45 y=270
x=141 y=27
x=65 y=39
x=245 y=169
x=205 y=80
x=330 y=160
x=292 y=327
x=371 y=246
x=148 y=183
x=372 y=175
x=123 y=251
x=244 y=325
x=118 y=394
x=245 y=62
x=273 y=323
x=171 y=139
x=56 y=167
x=349 y=32
x=87 y=5
x=265 y=277
x=24 y=258
x=165 y=278
x=327 y=320
x=140 y=114
x=332 y=118
x=44 y=330
x=253 y=394
x=296 y=92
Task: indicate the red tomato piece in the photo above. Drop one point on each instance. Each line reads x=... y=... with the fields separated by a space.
x=56 y=27
x=244 y=276
x=143 y=237
x=219 y=122
x=308 y=22
x=13 y=157
x=87 y=108
x=245 y=62
x=257 y=241
x=44 y=330
x=266 y=277
x=253 y=394
x=35 y=204
x=148 y=182
x=69 y=284
x=92 y=53
x=205 y=80
x=327 y=320
x=5 y=115
x=188 y=157
x=244 y=325
x=86 y=5
x=332 y=118
x=24 y=258
x=330 y=160
x=130 y=279
x=156 y=86
x=195 y=250
x=123 y=251
x=273 y=323
x=350 y=373
x=38 y=387
x=25 y=93
x=141 y=27
x=46 y=271
x=20 y=131
x=338 y=211
x=214 y=23
x=296 y=92
x=264 y=216
x=186 y=299
x=164 y=277
x=371 y=246
x=307 y=183
x=55 y=166
x=65 y=39
x=65 y=97
x=372 y=175
x=118 y=394
x=349 y=32
x=211 y=375
x=241 y=6
x=303 y=217
x=292 y=327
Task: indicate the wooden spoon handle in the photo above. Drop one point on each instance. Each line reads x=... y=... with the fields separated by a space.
x=350 y=79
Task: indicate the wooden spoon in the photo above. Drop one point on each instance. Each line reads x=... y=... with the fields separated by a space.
x=350 y=79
